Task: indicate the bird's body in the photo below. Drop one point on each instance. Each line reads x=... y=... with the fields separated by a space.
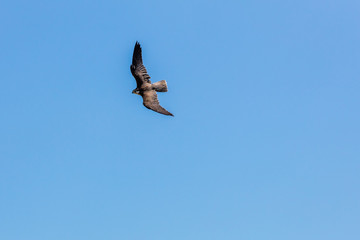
x=144 y=87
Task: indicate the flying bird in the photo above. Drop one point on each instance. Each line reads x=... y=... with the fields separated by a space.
x=144 y=87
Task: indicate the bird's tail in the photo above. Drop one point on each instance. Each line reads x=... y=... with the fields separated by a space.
x=160 y=86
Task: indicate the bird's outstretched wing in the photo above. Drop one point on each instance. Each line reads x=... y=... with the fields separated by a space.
x=151 y=101
x=137 y=68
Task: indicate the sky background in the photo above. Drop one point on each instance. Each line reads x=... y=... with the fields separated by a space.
x=265 y=142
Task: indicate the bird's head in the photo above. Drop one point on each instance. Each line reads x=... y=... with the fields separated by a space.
x=136 y=91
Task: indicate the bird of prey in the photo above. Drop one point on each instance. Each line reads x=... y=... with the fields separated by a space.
x=144 y=87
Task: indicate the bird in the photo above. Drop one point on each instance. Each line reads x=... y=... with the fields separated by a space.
x=144 y=87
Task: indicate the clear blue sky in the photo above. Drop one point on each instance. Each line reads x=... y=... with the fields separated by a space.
x=265 y=142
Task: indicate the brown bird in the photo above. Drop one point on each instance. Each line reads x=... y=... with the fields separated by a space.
x=144 y=87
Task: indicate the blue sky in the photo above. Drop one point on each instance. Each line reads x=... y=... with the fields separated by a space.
x=264 y=143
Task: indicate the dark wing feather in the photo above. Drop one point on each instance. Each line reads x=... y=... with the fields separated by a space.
x=137 y=68
x=151 y=101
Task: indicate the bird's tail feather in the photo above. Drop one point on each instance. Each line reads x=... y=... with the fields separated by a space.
x=160 y=86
